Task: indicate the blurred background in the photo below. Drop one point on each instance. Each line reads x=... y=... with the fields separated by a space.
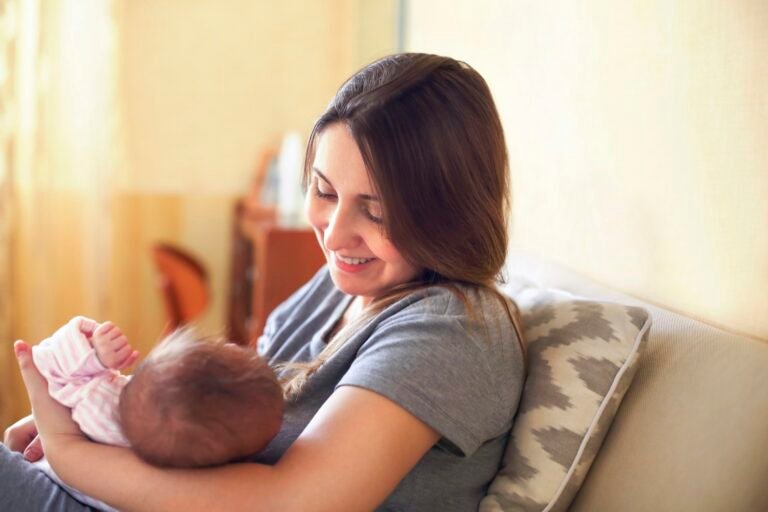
x=636 y=131
x=127 y=122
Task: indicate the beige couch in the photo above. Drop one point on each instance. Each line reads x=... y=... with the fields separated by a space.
x=692 y=431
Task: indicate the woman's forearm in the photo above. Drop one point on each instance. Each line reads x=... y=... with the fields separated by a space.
x=350 y=457
x=118 y=477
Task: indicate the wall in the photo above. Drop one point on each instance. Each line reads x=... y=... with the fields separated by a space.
x=636 y=133
x=206 y=86
x=141 y=121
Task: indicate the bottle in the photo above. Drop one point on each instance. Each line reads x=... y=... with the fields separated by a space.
x=289 y=195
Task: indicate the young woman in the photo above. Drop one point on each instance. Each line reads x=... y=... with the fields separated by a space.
x=399 y=359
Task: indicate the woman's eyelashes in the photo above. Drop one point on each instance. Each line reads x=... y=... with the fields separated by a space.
x=373 y=218
x=329 y=196
x=322 y=195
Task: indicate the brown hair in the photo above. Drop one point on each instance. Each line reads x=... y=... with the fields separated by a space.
x=433 y=146
x=199 y=402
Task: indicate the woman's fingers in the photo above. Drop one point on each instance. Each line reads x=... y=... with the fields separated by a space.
x=33 y=380
x=18 y=436
x=34 y=450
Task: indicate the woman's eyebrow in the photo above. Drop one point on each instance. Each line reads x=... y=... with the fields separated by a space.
x=363 y=197
x=322 y=176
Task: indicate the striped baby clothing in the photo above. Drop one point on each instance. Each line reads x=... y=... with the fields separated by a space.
x=77 y=379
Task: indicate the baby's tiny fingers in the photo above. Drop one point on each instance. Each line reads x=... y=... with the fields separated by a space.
x=127 y=360
x=116 y=336
x=120 y=345
x=123 y=352
x=103 y=328
x=88 y=326
x=132 y=358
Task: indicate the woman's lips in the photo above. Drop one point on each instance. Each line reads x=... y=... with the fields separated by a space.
x=351 y=268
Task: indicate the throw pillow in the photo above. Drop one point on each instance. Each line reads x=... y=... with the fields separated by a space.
x=582 y=357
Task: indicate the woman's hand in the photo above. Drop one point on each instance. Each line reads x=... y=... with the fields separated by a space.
x=52 y=420
x=22 y=437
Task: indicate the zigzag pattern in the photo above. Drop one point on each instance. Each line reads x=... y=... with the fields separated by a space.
x=580 y=354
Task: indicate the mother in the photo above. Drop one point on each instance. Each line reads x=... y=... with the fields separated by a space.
x=399 y=358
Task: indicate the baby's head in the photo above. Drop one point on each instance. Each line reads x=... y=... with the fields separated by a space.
x=199 y=402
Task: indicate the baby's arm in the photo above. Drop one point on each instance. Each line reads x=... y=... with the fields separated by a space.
x=112 y=347
x=78 y=377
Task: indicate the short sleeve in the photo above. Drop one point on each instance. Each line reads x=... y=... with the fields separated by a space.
x=464 y=383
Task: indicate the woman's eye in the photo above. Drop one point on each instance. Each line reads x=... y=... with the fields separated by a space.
x=376 y=218
x=322 y=194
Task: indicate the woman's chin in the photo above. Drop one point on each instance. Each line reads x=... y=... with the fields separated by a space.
x=349 y=285
x=346 y=288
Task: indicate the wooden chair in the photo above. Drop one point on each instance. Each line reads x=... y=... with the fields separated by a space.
x=183 y=284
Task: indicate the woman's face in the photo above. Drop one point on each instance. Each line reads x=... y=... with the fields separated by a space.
x=346 y=217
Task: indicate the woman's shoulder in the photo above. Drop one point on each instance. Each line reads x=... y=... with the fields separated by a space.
x=465 y=303
x=445 y=337
x=475 y=313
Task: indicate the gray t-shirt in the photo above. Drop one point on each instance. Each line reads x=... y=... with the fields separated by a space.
x=459 y=371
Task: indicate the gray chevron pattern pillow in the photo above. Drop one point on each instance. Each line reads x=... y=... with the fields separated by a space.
x=582 y=358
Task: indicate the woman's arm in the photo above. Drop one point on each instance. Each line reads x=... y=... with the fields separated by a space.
x=350 y=457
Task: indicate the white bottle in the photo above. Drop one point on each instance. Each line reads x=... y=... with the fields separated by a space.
x=289 y=196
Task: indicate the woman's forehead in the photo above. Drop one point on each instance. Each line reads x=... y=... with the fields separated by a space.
x=339 y=162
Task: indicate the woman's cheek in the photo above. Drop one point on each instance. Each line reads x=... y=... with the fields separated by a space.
x=313 y=210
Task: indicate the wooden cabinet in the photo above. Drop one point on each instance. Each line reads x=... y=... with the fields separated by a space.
x=269 y=263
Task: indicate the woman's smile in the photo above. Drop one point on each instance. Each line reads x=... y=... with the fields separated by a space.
x=352 y=265
x=346 y=214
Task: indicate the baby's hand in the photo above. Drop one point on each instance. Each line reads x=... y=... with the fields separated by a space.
x=112 y=347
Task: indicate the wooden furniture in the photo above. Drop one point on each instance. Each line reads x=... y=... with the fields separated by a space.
x=269 y=263
x=183 y=283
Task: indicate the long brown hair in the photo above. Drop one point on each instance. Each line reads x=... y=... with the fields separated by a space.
x=433 y=146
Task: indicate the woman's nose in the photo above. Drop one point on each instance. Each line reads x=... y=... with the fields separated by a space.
x=341 y=232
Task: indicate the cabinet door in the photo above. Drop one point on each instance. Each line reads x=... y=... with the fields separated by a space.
x=284 y=260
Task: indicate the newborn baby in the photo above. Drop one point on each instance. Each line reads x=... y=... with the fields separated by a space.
x=192 y=402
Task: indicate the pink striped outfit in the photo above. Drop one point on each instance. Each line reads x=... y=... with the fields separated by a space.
x=76 y=378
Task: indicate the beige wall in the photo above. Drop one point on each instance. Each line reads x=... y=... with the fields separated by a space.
x=155 y=145
x=637 y=134
x=206 y=85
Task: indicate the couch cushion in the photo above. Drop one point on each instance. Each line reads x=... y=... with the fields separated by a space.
x=582 y=357
x=692 y=431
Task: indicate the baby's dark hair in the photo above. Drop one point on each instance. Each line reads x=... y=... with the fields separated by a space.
x=197 y=402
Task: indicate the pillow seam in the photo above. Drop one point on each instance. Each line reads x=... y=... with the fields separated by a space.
x=606 y=399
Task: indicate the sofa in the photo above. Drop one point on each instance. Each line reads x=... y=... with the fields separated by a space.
x=691 y=433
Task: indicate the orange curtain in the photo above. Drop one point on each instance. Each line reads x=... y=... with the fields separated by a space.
x=8 y=11
x=61 y=153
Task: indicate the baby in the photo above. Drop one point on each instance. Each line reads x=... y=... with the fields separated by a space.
x=192 y=402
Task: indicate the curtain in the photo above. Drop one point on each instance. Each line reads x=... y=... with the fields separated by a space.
x=63 y=150
x=8 y=11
